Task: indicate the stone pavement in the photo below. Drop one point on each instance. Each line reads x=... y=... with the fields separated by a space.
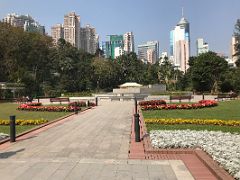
x=92 y=145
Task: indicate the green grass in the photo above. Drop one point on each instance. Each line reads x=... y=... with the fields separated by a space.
x=227 y=110
x=8 y=109
x=19 y=129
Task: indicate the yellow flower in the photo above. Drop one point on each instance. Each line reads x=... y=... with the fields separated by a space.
x=172 y=121
x=25 y=122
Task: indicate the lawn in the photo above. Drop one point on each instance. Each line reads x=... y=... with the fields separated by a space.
x=7 y=109
x=227 y=110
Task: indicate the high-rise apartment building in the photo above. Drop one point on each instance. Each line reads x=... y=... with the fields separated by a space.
x=114 y=41
x=202 y=47
x=151 y=56
x=57 y=32
x=118 y=51
x=163 y=57
x=180 y=45
x=149 y=52
x=124 y=44
x=89 y=39
x=128 y=39
x=72 y=29
x=24 y=21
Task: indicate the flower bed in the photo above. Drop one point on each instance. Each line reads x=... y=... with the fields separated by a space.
x=34 y=107
x=153 y=102
x=223 y=147
x=200 y=104
x=25 y=122
x=194 y=121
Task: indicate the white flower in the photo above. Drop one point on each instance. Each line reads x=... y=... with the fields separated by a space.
x=223 y=147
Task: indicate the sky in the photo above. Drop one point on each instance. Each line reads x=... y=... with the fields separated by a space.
x=212 y=20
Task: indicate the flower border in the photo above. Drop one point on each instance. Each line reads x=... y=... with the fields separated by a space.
x=152 y=105
x=172 y=121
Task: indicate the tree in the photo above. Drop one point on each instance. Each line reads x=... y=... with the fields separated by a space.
x=166 y=74
x=72 y=66
x=237 y=45
x=23 y=57
x=207 y=71
x=132 y=69
x=104 y=74
x=231 y=81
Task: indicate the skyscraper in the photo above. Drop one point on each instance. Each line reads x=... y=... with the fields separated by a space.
x=202 y=47
x=89 y=39
x=114 y=41
x=148 y=52
x=24 y=21
x=57 y=32
x=180 y=45
x=72 y=29
x=233 y=49
x=128 y=39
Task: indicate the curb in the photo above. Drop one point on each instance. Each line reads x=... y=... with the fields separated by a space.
x=42 y=125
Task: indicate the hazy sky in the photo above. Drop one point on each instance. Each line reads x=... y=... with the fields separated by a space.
x=212 y=20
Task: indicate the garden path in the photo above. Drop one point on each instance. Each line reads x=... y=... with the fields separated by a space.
x=91 y=145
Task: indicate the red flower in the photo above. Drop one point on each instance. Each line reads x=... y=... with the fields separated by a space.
x=159 y=104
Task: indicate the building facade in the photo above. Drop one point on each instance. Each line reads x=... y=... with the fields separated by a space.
x=24 y=21
x=57 y=32
x=72 y=29
x=180 y=45
x=202 y=47
x=118 y=51
x=114 y=41
x=128 y=39
x=163 y=57
x=233 y=49
x=149 y=52
x=88 y=39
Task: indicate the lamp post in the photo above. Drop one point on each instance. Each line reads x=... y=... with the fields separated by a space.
x=136 y=123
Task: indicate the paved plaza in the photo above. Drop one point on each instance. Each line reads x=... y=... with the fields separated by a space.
x=91 y=145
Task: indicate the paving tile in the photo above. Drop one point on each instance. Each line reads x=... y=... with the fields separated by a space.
x=90 y=145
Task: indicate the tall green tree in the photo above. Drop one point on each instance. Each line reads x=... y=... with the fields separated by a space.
x=132 y=69
x=105 y=73
x=166 y=74
x=72 y=67
x=231 y=81
x=207 y=71
x=23 y=57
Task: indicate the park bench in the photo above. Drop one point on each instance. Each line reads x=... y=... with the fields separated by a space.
x=60 y=100
x=183 y=97
x=226 y=96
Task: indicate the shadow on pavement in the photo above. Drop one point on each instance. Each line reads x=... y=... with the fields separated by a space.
x=25 y=138
x=6 y=155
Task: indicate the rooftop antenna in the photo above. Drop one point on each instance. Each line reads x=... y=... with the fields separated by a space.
x=182 y=11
